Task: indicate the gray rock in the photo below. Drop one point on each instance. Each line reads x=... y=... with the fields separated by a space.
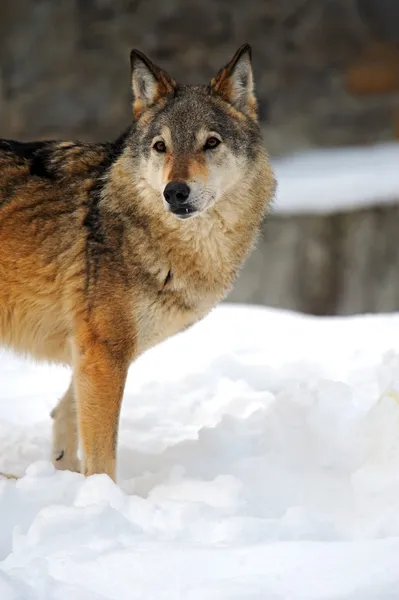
x=344 y=263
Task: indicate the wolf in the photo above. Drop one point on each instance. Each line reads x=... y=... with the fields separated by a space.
x=106 y=249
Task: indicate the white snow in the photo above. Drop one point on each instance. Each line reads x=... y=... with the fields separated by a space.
x=333 y=180
x=258 y=460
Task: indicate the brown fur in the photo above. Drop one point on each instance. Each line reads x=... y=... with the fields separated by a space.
x=94 y=271
x=223 y=85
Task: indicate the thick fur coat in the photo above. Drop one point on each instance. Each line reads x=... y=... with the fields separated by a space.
x=108 y=249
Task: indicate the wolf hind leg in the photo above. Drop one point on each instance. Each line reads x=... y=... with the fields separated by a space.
x=65 y=444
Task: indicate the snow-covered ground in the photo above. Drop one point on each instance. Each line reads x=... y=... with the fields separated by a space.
x=332 y=180
x=258 y=460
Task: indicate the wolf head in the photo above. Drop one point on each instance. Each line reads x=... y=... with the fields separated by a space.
x=192 y=144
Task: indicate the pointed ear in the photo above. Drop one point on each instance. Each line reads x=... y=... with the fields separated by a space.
x=149 y=83
x=235 y=82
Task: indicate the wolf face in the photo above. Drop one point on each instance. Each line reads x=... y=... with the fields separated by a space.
x=192 y=144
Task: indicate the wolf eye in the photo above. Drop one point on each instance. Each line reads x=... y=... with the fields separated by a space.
x=211 y=143
x=159 y=147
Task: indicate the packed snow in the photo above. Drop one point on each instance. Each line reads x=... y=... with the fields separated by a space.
x=338 y=179
x=258 y=460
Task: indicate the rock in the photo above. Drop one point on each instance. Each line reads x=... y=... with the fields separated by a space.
x=345 y=263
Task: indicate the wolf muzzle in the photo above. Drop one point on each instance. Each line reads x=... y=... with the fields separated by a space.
x=177 y=196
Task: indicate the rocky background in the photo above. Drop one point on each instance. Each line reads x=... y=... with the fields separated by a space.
x=327 y=74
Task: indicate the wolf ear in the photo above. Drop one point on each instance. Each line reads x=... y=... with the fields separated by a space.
x=149 y=83
x=235 y=82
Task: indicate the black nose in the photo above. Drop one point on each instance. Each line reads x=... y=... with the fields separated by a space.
x=176 y=192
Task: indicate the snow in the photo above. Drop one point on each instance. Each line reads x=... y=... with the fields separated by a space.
x=258 y=460
x=333 y=180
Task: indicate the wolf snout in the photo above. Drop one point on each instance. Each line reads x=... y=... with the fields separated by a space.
x=177 y=196
x=176 y=193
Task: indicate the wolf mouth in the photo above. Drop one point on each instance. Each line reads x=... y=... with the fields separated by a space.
x=184 y=212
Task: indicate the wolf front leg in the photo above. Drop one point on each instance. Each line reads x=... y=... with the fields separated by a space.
x=100 y=369
x=65 y=433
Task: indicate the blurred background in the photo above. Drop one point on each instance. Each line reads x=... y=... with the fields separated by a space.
x=327 y=75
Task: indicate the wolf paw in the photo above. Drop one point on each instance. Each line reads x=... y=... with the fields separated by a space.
x=64 y=461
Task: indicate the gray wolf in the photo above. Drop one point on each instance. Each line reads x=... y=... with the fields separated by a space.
x=107 y=249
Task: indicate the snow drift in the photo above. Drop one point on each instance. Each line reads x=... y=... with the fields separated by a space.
x=258 y=460
x=331 y=180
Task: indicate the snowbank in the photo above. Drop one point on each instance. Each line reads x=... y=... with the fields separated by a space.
x=333 y=180
x=258 y=460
